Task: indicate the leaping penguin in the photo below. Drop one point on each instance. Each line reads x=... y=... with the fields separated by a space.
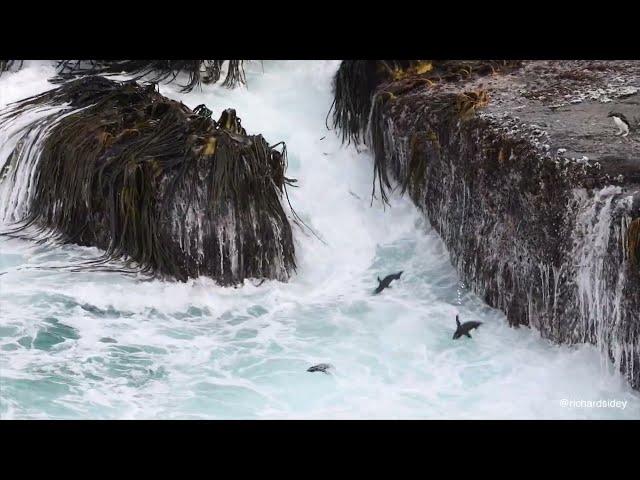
x=386 y=281
x=463 y=329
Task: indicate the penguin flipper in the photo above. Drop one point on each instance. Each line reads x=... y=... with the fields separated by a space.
x=468 y=335
x=457 y=321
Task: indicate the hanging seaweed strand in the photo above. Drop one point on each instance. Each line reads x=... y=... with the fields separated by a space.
x=157 y=71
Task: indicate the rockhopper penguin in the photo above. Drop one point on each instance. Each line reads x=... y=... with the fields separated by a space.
x=621 y=122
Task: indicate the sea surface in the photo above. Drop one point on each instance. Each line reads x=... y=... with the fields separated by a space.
x=108 y=346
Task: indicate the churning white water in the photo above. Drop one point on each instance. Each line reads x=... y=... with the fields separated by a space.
x=102 y=345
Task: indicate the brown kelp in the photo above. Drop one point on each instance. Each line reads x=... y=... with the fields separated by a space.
x=363 y=87
x=353 y=86
x=356 y=82
x=168 y=190
x=199 y=71
x=156 y=71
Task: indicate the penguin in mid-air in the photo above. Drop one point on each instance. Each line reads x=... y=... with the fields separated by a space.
x=386 y=281
x=464 y=328
x=621 y=122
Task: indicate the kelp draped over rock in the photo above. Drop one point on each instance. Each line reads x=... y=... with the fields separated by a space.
x=199 y=71
x=362 y=87
x=169 y=190
x=354 y=84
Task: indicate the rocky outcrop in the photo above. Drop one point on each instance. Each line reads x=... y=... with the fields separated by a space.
x=537 y=200
x=168 y=190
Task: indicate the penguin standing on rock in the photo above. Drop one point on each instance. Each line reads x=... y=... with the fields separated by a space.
x=621 y=122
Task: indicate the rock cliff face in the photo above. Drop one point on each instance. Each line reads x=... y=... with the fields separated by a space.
x=534 y=195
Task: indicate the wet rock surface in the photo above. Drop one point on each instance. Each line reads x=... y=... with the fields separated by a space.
x=533 y=192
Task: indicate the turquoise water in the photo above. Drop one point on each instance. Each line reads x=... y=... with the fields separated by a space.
x=102 y=345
